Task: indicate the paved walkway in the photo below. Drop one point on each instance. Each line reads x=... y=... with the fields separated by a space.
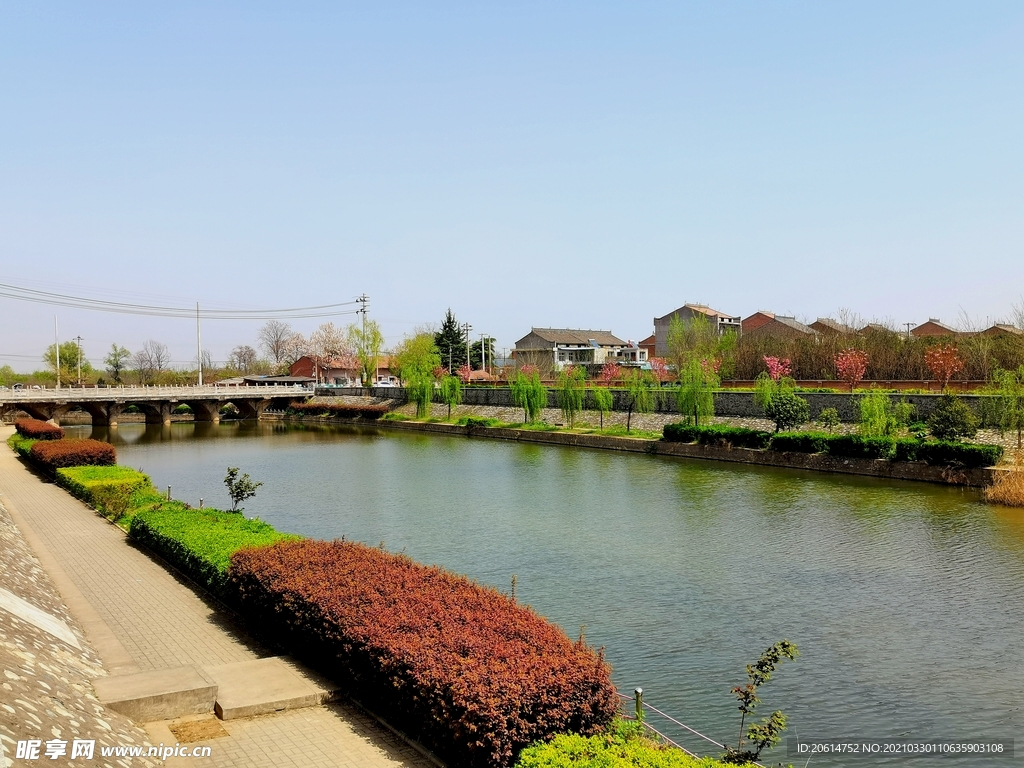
x=139 y=617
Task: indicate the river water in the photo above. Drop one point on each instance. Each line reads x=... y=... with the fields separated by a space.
x=905 y=599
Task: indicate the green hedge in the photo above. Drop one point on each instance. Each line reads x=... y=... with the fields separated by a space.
x=943 y=452
x=114 y=491
x=21 y=445
x=802 y=442
x=623 y=745
x=738 y=437
x=200 y=542
x=858 y=447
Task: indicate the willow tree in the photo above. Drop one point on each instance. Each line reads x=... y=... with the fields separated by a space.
x=368 y=341
x=1010 y=399
x=603 y=400
x=640 y=397
x=569 y=394
x=529 y=393
x=451 y=392
x=414 y=361
x=695 y=397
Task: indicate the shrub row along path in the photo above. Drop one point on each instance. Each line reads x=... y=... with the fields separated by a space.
x=139 y=617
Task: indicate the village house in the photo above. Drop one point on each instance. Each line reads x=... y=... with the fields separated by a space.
x=933 y=328
x=559 y=347
x=779 y=326
x=720 y=320
x=341 y=373
x=826 y=326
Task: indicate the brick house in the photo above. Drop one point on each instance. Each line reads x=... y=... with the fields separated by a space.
x=933 y=328
x=720 y=320
x=779 y=326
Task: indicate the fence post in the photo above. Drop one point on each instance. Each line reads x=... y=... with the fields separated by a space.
x=639 y=695
x=168 y=493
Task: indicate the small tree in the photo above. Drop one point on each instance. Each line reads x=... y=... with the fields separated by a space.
x=1010 y=401
x=829 y=418
x=640 y=393
x=610 y=372
x=116 y=360
x=239 y=488
x=570 y=392
x=659 y=368
x=768 y=732
x=777 y=369
x=944 y=362
x=529 y=393
x=465 y=373
x=603 y=401
x=952 y=419
x=696 y=397
x=778 y=401
x=851 y=365
x=451 y=392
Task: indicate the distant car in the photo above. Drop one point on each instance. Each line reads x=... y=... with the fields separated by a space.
x=18 y=386
x=385 y=384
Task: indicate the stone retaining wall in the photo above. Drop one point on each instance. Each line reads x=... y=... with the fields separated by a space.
x=727 y=403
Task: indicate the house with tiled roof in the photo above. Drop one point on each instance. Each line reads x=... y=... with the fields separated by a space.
x=829 y=327
x=1003 y=329
x=781 y=326
x=559 y=347
x=722 y=322
x=933 y=328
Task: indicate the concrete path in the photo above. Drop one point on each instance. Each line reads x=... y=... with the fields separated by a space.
x=140 y=617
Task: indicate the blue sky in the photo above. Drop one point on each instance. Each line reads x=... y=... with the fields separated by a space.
x=587 y=165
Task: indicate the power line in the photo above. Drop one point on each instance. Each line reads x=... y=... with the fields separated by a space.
x=124 y=308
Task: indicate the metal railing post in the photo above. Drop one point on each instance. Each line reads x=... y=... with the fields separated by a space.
x=639 y=696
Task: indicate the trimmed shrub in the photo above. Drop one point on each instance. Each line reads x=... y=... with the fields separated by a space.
x=944 y=452
x=34 y=429
x=51 y=455
x=338 y=410
x=20 y=445
x=459 y=666
x=738 y=437
x=860 y=447
x=200 y=542
x=907 y=449
x=111 y=490
x=478 y=421
x=625 y=745
x=801 y=442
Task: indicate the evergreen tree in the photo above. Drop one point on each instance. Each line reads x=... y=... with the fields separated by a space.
x=451 y=343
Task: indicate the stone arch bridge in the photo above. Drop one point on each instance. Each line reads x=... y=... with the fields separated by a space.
x=105 y=404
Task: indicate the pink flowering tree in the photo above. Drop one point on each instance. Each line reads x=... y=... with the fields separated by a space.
x=851 y=365
x=610 y=372
x=440 y=372
x=944 y=362
x=659 y=368
x=464 y=372
x=711 y=367
x=777 y=368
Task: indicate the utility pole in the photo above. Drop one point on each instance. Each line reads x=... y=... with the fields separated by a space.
x=908 y=329
x=79 y=340
x=468 y=328
x=56 y=347
x=364 y=300
x=199 y=346
x=483 y=352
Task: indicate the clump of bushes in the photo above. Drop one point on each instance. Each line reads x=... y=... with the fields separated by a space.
x=338 y=410
x=111 y=490
x=200 y=542
x=34 y=429
x=461 y=667
x=478 y=421
x=52 y=455
x=625 y=743
x=802 y=442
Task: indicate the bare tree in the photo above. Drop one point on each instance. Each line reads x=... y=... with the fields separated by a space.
x=295 y=347
x=330 y=345
x=275 y=338
x=153 y=358
x=243 y=358
x=1017 y=314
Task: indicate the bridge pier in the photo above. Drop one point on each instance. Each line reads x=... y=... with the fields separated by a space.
x=252 y=409
x=45 y=411
x=103 y=414
x=157 y=411
x=205 y=410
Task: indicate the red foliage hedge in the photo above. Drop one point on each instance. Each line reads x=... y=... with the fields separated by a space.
x=34 y=429
x=343 y=410
x=461 y=667
x=52 y=455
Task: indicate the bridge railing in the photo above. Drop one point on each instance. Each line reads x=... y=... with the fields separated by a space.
x=78 y=394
